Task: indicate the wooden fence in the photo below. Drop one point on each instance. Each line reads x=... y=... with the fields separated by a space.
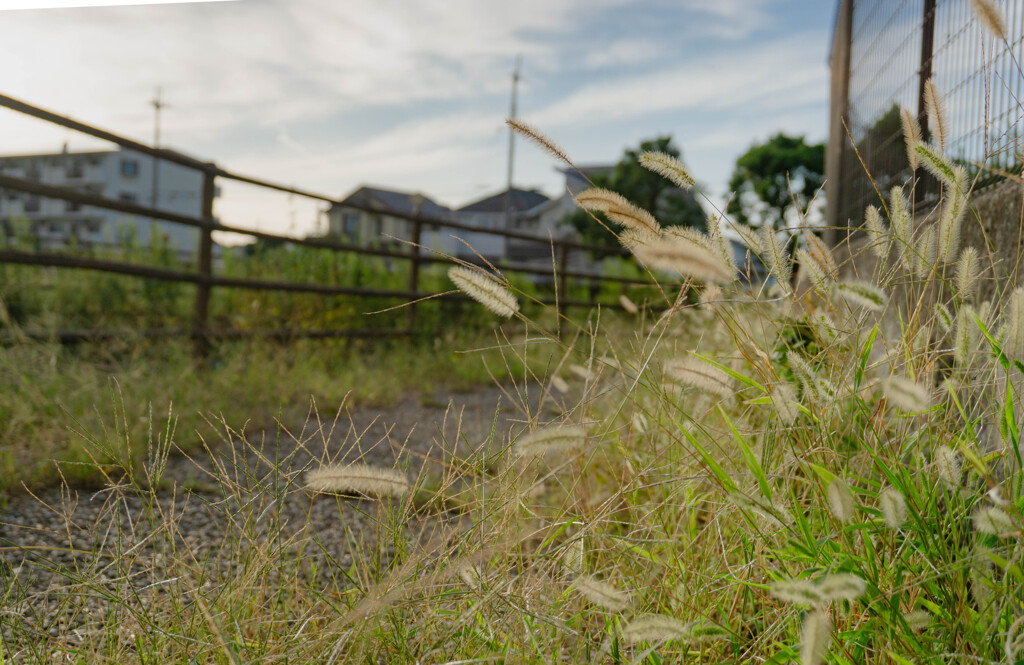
x=204 y=278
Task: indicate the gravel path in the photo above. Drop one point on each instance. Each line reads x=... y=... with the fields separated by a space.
x=63 y=550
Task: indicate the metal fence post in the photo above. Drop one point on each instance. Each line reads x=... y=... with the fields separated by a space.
x=414 y=266
x=925 y=73
x=204 y=267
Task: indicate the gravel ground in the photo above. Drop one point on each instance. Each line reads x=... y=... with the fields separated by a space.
x=63 y=550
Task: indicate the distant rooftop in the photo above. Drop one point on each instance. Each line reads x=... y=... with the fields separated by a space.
x=521 y=200
x=386 y=200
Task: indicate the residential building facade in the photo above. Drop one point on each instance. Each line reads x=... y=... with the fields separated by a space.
x=121 y=175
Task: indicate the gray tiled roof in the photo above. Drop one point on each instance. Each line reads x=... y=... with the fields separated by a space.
x=387 y=200
x=521 y=199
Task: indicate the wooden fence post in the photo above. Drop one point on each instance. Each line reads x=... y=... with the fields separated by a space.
x=563 y=265
x=204 y=267
x=414 y=266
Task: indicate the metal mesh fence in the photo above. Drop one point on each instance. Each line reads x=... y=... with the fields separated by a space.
x=894 y=44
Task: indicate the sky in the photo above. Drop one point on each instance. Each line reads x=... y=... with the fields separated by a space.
x=412 y=95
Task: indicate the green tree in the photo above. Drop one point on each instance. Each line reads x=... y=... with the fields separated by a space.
x=671 y=205
x=773 y=177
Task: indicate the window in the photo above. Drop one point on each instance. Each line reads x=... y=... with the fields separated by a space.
x=71 y=206
x=128 y=197
x=75 y=169
x=32 y=203
x=350 y=224
x=129 y=168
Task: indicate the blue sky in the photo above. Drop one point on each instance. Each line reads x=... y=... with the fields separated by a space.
x=412 y=94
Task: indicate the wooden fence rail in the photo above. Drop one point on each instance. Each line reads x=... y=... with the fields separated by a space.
x=205 y=280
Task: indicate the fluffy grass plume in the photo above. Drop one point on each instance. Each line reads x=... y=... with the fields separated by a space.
x=993 y=521
x=694 y=372
x=654 y=628
x=936 y=108
x=668 y=167
x=485 y=290
x=917 y=620
x=842 y=586
x=601 y=593
x=943 y=317
x=925 y=256
x=1013 y=326
x=618 y=209
x=840 y=500
x=559 y=384
x=990 y=17
x=776 y=259
x=902 y=227
x=750 y=238
x=936 y=163
x=685 y=257
x=968 y=269
x=815 y=638
x=952 y=216
x=819 y=280
x=822 y=255
x=863 y=294
x=784 y=401
x=628 y=304
x=911 y=135
x=552 y=439
x=881 y=243
x=947 y=464
x=360 y=479
x=797 y=592
x=965 y=335
x=538 y=137
x=907 y=395
x=893 y=507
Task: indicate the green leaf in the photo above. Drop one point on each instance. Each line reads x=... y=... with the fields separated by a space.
x=749 y=457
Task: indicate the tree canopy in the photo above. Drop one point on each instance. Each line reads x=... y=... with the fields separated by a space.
x=765 y=174
x=671 y=205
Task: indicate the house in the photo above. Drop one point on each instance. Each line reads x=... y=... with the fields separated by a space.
x=373 y=215
x=509 y=210
x=122 y=175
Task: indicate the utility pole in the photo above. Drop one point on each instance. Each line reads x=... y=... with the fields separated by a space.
x=512 y=143
x=158 y=105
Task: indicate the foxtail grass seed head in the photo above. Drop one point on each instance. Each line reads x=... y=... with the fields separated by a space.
x=813 y=271
x=601 y=593
x=559 y=384
x=711 y=294
x=784 y=401
x=965 y=336
x=797 y=592
x=943 y=317
x=485 y=290
x=472 y=576
x=654 y=628
x=902 y=228
x=917 y=620
x=535 y=135
x=775 y=256
x=362 y=479
x=685 y=257
x=552 y=440
x=668 y=167
x=924 y=259
x=571 y=557
x=967 y=271
x=862 y=294
x=911 y=135
x=822 y=255
x=750 y=238
x=633 y=238
x=842 y=586
x=840 y=500
x=951 y=219
x=990 y=17
x=582 y=372
x=618 y=209
x=694 y=372
x=907 y=395
x=1013 y=327
x=638 y=423
x=815 y=638
x=893 y=507
x=947 y=464
x=628 y=304
x=880 y=240
x=936 y=163
x=993 y=521
x=936 y=108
